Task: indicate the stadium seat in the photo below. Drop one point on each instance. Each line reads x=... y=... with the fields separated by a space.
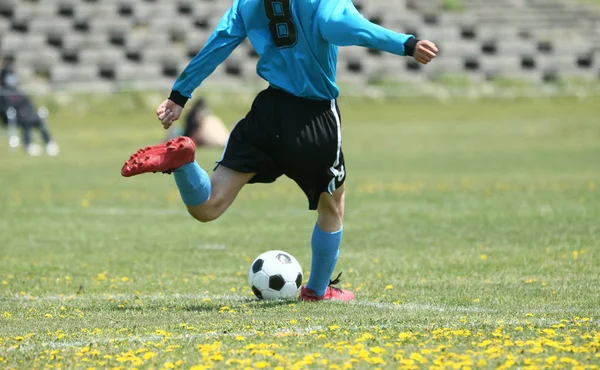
x=125 y=40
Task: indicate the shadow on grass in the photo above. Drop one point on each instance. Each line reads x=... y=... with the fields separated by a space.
x=251 y=303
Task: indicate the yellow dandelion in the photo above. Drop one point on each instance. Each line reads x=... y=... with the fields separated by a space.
x=378 y=350
x=476 y=300
x=240 y=338
x=483 y=257
x=148 y=355
x=407 y=362
x=7 y=314
x=333 y=327
x=169 y=365
x=418 y=357
x=389 y=287
x=262 y=364
x=4 y=282
x=217 y=357
x=293 y=321
x=48 y=315
x=124 y=279
x=376 y=361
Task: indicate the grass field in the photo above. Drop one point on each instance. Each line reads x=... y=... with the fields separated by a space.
x=472 y=240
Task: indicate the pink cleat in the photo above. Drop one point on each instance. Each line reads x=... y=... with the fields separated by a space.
x=331 y=294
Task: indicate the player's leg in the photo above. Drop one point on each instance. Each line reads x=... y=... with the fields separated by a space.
x=245 y=159
x=225 y=185
x=32 y=149
x=205 y=197
x=330 y=211
x=313 y=157
x=52 y=148
x=326 y=240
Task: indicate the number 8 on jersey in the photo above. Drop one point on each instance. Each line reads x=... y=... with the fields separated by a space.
x=281 y=22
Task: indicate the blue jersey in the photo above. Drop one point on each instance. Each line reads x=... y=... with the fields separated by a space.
x=297 y=41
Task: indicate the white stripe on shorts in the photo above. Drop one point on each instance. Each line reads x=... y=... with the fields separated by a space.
x=335 y=172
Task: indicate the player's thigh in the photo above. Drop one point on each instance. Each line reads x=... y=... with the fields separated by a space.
x=225 y=186
x=331 y=209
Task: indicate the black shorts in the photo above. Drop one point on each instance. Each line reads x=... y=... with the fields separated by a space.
x=287 y=135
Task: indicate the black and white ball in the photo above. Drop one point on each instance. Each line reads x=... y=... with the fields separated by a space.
x=275 y=275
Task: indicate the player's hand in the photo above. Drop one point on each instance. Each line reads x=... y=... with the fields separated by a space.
x=425 y=51
x=168 y=112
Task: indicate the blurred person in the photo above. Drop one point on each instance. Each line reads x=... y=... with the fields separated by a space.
x=293 y=127
x=203 y=127
x=17 y=109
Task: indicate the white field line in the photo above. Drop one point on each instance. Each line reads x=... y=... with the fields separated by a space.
x=150 y=297
x=414 y=307
x=469 y=309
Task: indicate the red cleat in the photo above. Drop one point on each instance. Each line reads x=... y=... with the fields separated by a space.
x=331 y=294
x=163 y=157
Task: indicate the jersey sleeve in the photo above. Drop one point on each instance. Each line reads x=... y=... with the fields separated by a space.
x=340 y=23
x=228 y=34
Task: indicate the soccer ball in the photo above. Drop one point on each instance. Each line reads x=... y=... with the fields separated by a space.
x=275 y=275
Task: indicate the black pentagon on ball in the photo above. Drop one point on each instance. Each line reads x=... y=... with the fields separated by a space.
x=276 y=282
x=257 y=265
x=257 y=292
x=299 y=280
x=284 y=258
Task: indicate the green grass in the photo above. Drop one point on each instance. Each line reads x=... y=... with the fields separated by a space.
x=453 y=5
x=472 y=239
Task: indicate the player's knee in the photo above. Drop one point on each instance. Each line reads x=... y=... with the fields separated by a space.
x=209 y=211
x=331 y=207
x=203 y=215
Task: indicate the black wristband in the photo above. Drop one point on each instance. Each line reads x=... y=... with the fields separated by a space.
x=409 y=46
x=177 y=98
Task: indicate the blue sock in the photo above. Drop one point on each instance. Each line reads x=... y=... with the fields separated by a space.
x=193 y=183
x=325 y=252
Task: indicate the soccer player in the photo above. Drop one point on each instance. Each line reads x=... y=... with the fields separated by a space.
x=202 y=126
x=293 y=127
x=25 y=114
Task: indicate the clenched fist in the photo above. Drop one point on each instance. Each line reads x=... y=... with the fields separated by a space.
x=425 y=51
x=168 y=112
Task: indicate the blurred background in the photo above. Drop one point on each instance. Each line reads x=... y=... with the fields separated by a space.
x=108 y=45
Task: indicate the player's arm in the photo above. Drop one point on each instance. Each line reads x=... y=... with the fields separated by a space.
x=341 y=24
x=228 y=34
